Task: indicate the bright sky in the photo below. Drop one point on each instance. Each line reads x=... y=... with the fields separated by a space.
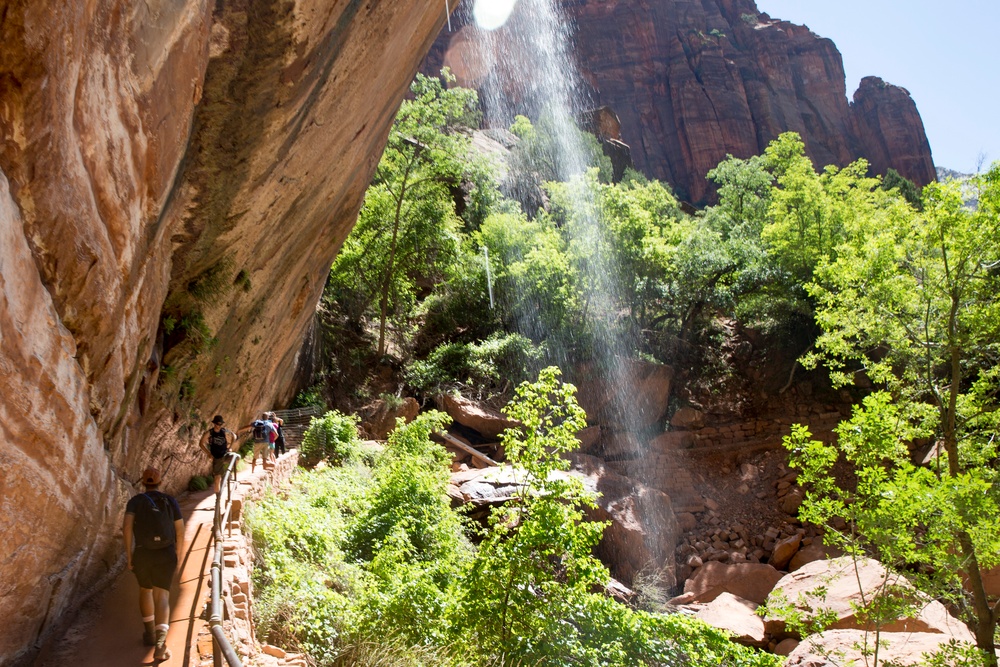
x=947 y=54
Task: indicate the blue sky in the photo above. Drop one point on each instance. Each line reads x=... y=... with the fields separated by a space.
x=947 y=54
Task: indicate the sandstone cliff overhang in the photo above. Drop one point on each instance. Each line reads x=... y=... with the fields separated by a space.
x=176 y=177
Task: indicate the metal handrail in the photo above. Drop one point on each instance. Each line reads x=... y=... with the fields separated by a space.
x=221 y=648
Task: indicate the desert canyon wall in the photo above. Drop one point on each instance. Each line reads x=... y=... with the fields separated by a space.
x=176 y=177
x=693 y=80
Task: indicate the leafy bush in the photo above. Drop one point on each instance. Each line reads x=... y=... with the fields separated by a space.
x=332 y=438
x=304 y=586
x=407 y=509
x=311 y=397
x=370 y=567
x=488 y=366
x=199 y=483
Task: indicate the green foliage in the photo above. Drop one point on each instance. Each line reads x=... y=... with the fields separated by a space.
x=528 y=594
x=199 y=483
x=304 y=586
x=311 y=397
x=242 y=280
x=486 y=367
x=910 y=300
x=407 y=537
x=332 y=438
x=407 y=510
x=406 y=233
x=371 y=567
x=904 y=186
x=534 y=567
x=537 y=156
x=954 y=654
x=213 y=283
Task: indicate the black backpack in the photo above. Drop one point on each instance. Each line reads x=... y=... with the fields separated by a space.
x=154 y=522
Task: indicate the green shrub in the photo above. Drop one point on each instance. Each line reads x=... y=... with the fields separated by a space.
x=199 y=483
x=489 y=366
x=332 y=438
x=371 y=567
x=407 y=510
x=311 y=397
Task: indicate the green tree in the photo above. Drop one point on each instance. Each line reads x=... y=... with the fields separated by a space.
x=906 y=188
x=910 y=300
x=534 y=565
x=406 y=232
x=744 y=193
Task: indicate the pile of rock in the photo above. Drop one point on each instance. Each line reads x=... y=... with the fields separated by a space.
x=789 y=546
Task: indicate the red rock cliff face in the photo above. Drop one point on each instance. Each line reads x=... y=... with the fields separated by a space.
x=693 y=80
x=176 y=177
x=890 y=131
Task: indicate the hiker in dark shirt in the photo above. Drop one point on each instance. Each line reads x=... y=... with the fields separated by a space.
x=279 y=444
x=217 y=442
x=153 y=531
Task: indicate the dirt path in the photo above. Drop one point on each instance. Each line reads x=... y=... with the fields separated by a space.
x=108 y=631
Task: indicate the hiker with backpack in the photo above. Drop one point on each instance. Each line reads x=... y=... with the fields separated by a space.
x=264 y=433
x=218 y=442
x=153 y=531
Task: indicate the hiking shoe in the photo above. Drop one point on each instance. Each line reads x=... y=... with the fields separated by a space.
x=148 y=639
x=161 y=652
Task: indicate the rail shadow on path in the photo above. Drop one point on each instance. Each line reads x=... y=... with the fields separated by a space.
x=107 y=631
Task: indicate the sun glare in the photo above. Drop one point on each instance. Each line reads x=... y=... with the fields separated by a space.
x=491 y=14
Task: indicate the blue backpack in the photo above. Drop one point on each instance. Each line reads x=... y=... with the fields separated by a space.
x=262 y=431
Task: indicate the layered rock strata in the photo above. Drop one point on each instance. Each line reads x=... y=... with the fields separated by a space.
x=693 y=80
x=175 y=179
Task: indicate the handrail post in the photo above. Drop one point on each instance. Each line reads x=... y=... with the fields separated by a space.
x=221 y=648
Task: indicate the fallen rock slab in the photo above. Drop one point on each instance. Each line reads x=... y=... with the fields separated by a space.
x=643 y=530
x=749 y=581
x=644 y=387
x=380 y=419
x=815 y=551
x=836 y=648
x=841 y=584
x=732 y=613
x=487 y=422
x=784 y=550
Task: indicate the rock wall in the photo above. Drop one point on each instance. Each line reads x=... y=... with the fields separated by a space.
x=176 y=177
x=693 y=80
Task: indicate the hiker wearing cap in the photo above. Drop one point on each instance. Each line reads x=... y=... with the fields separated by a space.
x=153 y=531
x=217 y=442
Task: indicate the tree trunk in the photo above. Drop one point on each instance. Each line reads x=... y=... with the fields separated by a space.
x=390 y=265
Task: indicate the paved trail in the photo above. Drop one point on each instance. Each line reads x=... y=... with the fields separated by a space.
x=108 y=631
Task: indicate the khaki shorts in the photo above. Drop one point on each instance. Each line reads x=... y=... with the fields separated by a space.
x=219 y=465
x=260 y=449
